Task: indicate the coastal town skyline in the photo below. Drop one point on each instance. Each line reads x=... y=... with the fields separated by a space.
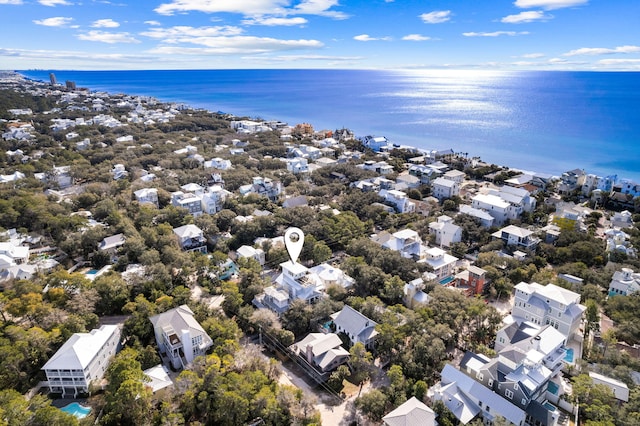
x=383 y=34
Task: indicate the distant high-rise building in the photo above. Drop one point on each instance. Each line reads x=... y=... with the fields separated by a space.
x=71 y=85
x=52 y=78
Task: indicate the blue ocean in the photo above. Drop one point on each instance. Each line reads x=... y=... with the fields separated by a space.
x=544 y=121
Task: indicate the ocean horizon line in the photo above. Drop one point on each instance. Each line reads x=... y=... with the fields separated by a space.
x=511 y=118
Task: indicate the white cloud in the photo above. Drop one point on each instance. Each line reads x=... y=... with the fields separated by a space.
x=619 y=62
x=548 y=4
x=297 y=58
x=416 y=37
x=495 y=34
x=49 y=55
x=181 y=33
x=602 y=50
x=245 y=7
x=252 y=8
x=236 y=45
x=273 y=21
x=53 y=3
x=436 y=17
x=523 y=17
x=105 y=23
x=10 y=1
x=367 y=37
x=57 y=21
x=107 y=37
x=319 y=7
x=533 y=55
x=154 y=23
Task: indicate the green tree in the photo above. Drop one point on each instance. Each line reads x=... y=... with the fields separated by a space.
x=373 y=404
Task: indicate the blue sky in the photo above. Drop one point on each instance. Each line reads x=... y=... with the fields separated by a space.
x=226 y=34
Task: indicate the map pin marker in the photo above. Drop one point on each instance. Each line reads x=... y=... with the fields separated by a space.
x=293 y=241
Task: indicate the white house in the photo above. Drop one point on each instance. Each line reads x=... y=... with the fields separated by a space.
x=187 y=201
x=179 y=336
x=620 y=389
x=191 y=238
x=455 y=175
x=332 y=275
x=622 y=219
x=212 y=200
x=82 y=359
x=295 y=282
x=486 y=220
x=357 y=327
x=515 y=236
x=548 y=304
x=218 y=163
x=443 y=188
x=147 y=195
x=297 y=165
x=251 y=253
x=446 y=231
x=412 y=412
x=624 y=283
x=399 y=200
x=405 y=241
x=323 y=352
x=443 y=263
x=119 y=172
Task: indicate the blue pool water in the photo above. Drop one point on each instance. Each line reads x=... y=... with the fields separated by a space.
x=569 y=356
x=80 y=411
x=447 y=280
x=92 y=272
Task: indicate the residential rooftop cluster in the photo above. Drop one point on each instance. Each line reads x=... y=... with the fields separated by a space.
x=453 y=288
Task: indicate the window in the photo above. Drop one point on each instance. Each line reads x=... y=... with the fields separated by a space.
x=479 y=376
x=508 y=393
x=516 y=387
x=490 y=383
x=524 y=401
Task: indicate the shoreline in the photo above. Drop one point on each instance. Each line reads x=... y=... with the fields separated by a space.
x=509 y=157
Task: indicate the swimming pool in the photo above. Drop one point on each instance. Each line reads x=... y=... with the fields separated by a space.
x=78 y=410
x=92 y=272
x=569 y=356
x=447 y=280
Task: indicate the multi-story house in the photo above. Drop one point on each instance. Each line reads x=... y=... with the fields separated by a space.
x=82 y=359
x=443 y=188
x=250 y=252
x=322 y=353
x=405 y=241
x=187 y=200
x=624 y=283
x=264 y=187
x=521 y=384
x=443 y=263
x=423 y=172
x=295 y=282
x=515 y=236
x=191 y=238
x=213 y=198
x=357 y=327
x=147 y=195
x=399 y=200
x=218 y=163
x=376 y=143
x=548 y=305
x=297 y=165
x=571 y=180
x=179 y=336
x=504 y=203
x=445 y=231
x=486 y=220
